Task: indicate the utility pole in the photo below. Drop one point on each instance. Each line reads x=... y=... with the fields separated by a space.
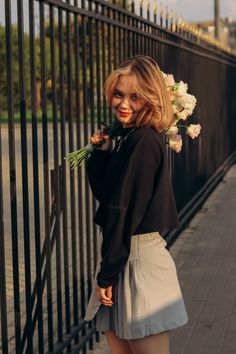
x=217 y=18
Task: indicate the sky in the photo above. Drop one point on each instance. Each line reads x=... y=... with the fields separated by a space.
x=190 y=10
x=201 y=10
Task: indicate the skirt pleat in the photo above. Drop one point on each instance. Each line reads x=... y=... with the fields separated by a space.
x=147 y=296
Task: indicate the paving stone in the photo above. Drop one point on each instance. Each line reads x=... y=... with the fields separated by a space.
x=195 y=343
x=211 y=349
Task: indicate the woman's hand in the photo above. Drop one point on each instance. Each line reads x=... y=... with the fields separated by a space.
x=105 y=295
x=98 y=136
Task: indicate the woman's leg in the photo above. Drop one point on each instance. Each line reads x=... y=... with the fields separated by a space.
x=117 y=345
x=155 y=344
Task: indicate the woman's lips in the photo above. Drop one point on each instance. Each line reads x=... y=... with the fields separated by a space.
x=125 y=114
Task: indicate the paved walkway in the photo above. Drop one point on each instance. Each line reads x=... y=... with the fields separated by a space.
x=205 y=257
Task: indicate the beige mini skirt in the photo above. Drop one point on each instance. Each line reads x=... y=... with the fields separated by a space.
x=147 y=296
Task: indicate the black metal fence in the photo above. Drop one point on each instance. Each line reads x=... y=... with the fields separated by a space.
x=56 y=61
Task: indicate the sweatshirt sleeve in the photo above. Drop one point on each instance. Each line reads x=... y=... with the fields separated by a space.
x=128 y=205
x=96 y=169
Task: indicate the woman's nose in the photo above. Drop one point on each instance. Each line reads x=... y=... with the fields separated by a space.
x=125 y=102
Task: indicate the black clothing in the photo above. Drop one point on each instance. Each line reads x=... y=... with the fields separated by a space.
x=133 y=187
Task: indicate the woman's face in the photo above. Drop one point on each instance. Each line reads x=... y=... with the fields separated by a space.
x=126 y=102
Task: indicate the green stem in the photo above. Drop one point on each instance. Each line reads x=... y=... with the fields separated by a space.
x=181 y=125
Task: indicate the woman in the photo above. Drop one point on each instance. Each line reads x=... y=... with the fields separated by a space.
x=136 y=295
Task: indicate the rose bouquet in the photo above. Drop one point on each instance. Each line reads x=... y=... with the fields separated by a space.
x=75 y=158
x=183 y=105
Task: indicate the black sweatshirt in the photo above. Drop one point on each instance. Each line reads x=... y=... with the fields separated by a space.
x=134 y=189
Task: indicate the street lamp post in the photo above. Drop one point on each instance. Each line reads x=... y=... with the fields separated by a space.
x=217 y=18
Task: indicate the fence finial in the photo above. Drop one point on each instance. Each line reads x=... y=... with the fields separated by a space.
x=141 y=8
x=161 y=9
x=155 y=8
x=155 y=11
x=167 y=11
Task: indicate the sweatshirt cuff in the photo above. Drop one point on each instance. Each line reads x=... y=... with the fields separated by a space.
x=104 y=283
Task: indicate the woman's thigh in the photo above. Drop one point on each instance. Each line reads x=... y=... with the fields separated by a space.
x=155 y=344
x=117 y=345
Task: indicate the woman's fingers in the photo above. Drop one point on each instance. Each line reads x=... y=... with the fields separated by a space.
x=104 y=296
x=109 y=292
x=100 y=136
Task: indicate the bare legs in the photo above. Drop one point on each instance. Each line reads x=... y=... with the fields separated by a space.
x=117 y=345
x=155 y=344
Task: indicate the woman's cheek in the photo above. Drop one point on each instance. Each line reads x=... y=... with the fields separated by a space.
x=114 y=102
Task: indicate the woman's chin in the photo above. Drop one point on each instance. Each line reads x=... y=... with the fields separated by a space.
x=124 y=120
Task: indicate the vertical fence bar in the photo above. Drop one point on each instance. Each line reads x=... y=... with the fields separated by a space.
x=124 y=39
x=114 y=38
x=72 y=174
x=104 y=32
x=63 y=199
x=3 y=299
x=133 y=26
x=161 y=15
x=92 y=106
x=56 y=192
x=12 y=172
x=150 y=30
x=141 y=26
x=85 y=116
x=39 y=305
x=98 y=97
x=92 y=125
x=85 y=111
x=119 y=39
x=98 y=67
x=24 y=163
x=146 y=29
x=138 y=37
x=80 y=189
x=129 y=41
x=109 y=54
x=79 y=183
x=167 y=18
x=46 y=179
x=98 y=110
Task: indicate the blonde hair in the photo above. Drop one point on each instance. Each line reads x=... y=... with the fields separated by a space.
x=157 y=111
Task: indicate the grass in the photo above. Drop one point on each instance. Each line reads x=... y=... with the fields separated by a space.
x=4 y=117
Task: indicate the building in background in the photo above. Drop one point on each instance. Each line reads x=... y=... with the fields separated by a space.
x=227 y=33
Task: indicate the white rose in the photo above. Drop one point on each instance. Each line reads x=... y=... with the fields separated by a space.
x=175 y=109
x=163 y=74
x=176 y=106
x=193 y=130
x=180 y=88
x=172 y=131
x=188 y=102
x=175 y=143
x=183 y=114
x=169 y=80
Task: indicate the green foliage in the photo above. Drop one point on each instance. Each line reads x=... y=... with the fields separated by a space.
x=16 y=63
x=15 y=67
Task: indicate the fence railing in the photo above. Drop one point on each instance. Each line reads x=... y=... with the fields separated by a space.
x=55 y=62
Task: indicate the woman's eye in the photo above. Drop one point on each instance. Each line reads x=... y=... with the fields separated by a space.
x=117 y=94
x=134 y=97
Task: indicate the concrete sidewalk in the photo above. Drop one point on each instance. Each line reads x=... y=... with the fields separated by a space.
x=205 y=257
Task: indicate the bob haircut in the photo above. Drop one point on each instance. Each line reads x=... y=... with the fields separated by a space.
x=157 y=111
